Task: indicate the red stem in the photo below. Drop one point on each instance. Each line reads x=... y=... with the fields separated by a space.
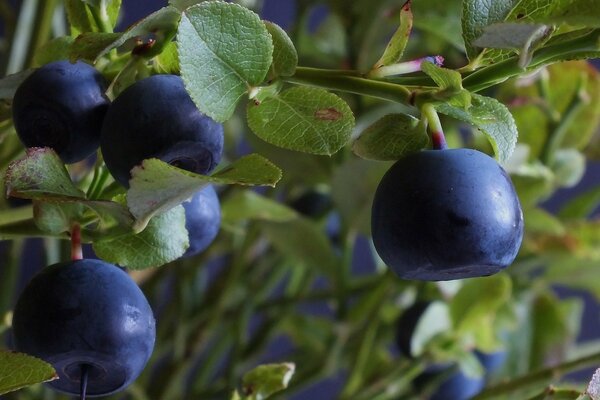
x=76 y=252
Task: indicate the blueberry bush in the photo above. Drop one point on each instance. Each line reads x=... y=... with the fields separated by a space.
x=353 y=207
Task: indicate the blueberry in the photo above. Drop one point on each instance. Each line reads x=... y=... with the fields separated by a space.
x=156 y=118
x=61 y=105
x=86 y=313
x=446 y=214
x=202 y=220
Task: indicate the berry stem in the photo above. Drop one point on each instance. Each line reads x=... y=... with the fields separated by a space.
x=434 y=126
x=76 y=252
x=84 y=381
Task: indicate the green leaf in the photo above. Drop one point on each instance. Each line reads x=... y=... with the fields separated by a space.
x=533 y=183
x=477 y=14
x=165 y=239
x=224 y=50
x=161 y=24
x=80 y=18
x=19 y=370
x=450 y=84
x=303 y=240
x=571 y=12
x=100 y=216
x=157 y=186
x=285 y=57
x=492 y=118
x=568 y=166
x=248 y=205
x=477 y=318
x=40 y=175
x=516 y=36
x=167 y=62
x=90 y=45
x=10 y=83
x=392 y=137
x=305 y=119
x=266 y=380
x=395 y=47
x=54 y=50
x=541 y=221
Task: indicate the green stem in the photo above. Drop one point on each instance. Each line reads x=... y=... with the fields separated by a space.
x=434 y=126
x=101 y=18
x=540 y=377
x=559 y=130
x=351 y=82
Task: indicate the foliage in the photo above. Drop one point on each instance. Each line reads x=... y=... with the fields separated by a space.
x=322 y=110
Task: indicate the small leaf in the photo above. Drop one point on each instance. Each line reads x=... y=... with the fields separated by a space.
x=568 y=166
x=40 y=175
x=395 y=48
x=285 y=57
x=391 y=138
x=165 y=239
x=450 y=84
x=157 y=186
x=266 y=380
x=521 y=37
x=248 y=205
x=492 y=118
x=19 y=370
x=304 y=119
x=89 y=45
x=224 y=50
x=10 y=83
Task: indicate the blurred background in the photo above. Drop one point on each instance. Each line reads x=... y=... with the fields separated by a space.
x=199 y=356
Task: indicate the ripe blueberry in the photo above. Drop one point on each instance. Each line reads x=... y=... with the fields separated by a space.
x=202 y=220
x=61 y=105
x=446 y=214
x=86 y=313
x=156 y=118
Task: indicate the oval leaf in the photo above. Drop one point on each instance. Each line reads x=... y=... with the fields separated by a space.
x=19 y=370
x=157 y=186
x=165 y=239
x=224 y=50
x=391 y=138
x=268 y=379
x=492 y=118
x=41 y=174
x=285 y=57
x=304 y=119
